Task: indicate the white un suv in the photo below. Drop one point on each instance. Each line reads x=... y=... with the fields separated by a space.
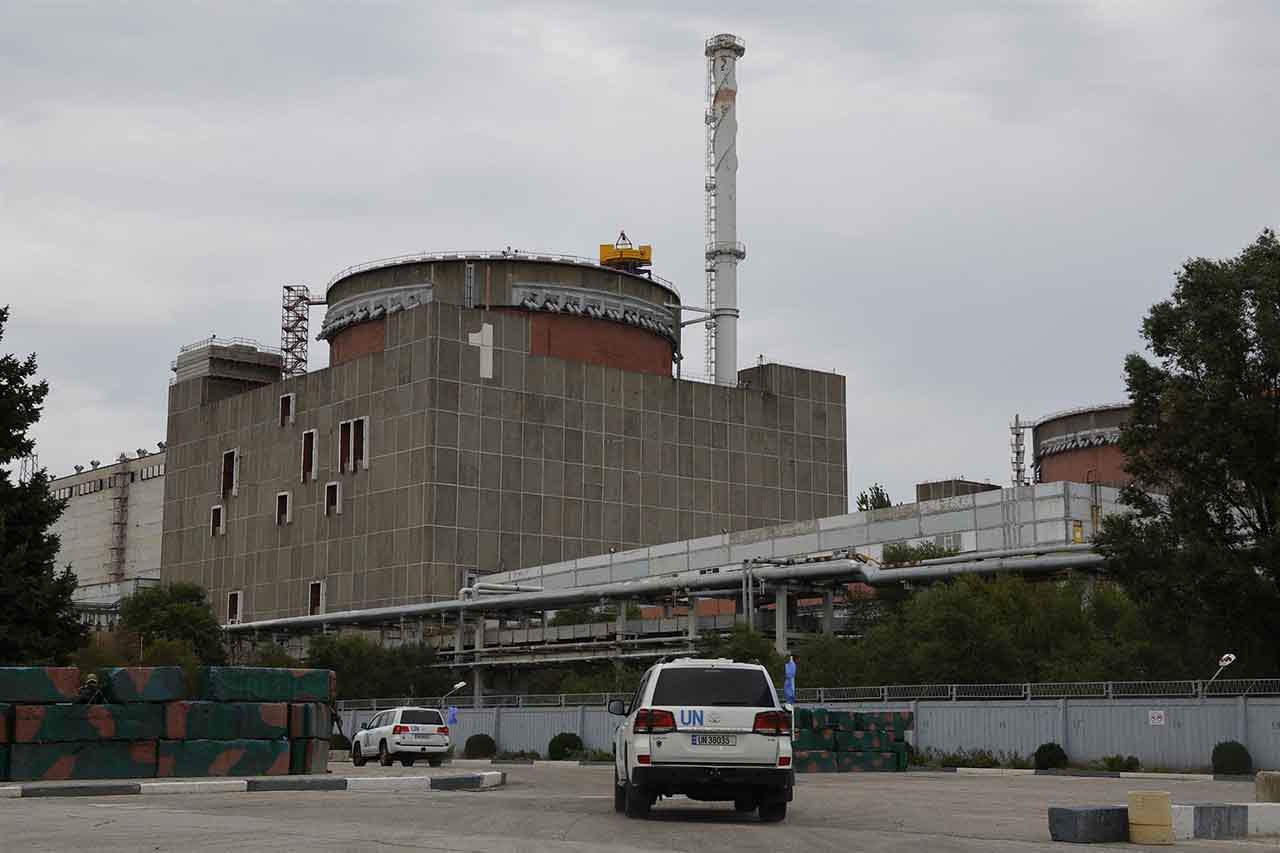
x=708 y=729
x=403 y=733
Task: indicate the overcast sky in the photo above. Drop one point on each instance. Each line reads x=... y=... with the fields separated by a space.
x=964 y=209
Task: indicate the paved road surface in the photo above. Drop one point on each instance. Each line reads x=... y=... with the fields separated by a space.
x=571 y=809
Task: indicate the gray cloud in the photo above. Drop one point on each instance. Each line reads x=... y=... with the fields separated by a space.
x=964 y=209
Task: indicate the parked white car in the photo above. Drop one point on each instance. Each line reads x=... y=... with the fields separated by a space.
x=404 y=734
x=708 y=729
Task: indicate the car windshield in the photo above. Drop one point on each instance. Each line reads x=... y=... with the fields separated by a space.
x=430 y=718
x=713 y=687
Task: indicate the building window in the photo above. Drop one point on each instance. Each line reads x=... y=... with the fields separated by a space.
x=359 y=444
x=333 y=499
x=353 y=445
x=284 y=509
x=315 y=598
x=308 y=456
x=286 y=409
x=230 y=473
x=233 y=607
x=344 y=446
x=469 y=286
x=217 y=524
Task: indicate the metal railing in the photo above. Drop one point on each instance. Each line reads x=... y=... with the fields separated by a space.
x=214 y=340
x=1024 y=691
x=488 y=255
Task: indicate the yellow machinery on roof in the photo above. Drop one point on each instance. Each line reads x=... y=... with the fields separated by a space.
x=623 y=255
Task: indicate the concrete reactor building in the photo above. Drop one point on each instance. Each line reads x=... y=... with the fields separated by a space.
x=483 y=412
x=1081 y=446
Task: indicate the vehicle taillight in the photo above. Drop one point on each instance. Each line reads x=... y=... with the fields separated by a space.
x=442 y=730
x=650 y=722
x=400 y=730
x=773 y=723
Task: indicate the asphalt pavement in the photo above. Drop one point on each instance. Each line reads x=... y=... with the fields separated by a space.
x=571 y=809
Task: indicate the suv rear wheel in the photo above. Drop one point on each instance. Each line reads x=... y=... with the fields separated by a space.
x=637 y=801
x=773 y=812
x=384 y=757
x=619 y=794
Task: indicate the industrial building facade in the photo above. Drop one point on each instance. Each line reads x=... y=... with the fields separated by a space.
x=110 y=531
x=482 y=414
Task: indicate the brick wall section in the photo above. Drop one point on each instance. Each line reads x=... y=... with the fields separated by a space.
x=596 y=342
x=355 y=341
x=547 y=460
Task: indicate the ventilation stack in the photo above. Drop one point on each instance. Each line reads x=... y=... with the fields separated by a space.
x=723 y=249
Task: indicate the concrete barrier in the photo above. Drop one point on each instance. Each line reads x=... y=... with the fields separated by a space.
x=1150 y=817
x=1266 y=787
x=1089 y=824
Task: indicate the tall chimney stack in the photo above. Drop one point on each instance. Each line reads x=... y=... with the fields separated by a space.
x=723 y=249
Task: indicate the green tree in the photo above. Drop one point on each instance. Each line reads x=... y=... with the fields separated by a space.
x=367 y=670
x=873 y=498
x=177 y=612
x=896 y=553
x=1204 y=433
x=745 y=646
x=38 y=623
x=1001 y=630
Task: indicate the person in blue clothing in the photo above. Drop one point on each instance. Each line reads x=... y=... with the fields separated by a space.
x=789 y=683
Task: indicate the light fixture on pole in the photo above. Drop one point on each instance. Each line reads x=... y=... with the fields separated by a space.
x=1223 y=662
x=456 y=688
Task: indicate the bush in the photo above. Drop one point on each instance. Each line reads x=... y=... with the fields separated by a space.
x=1050 y=756
x=1232 y=757
x=562 y=745
x=339 y=742
x=480 y=746
x=518 y=755
x=1122 y=764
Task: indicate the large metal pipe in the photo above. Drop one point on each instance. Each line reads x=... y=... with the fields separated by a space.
x=850 y=570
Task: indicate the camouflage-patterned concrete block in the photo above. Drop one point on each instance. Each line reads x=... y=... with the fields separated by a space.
x=310 y=720
x=4 y=762
x=6 y=721
x=813 y=740
x=863 y=741
x=66 y=723
x=143 y=683
x=885 y=721
x=83 y=760
x=310 y=755
x=264 y=684
x=821 y=718
x=223 y=758
x=802 y=718
x=814 y=761
x=226 y=720
x=841 y=721
x=36 y=684
x=866 y=761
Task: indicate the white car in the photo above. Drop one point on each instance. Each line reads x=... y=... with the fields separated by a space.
x=403 y=733
x=707 y=729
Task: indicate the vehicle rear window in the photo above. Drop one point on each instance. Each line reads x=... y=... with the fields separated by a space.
x=429 y=718
x=713 y=686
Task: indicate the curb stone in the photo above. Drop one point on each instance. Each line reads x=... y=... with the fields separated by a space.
x=460 y=782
